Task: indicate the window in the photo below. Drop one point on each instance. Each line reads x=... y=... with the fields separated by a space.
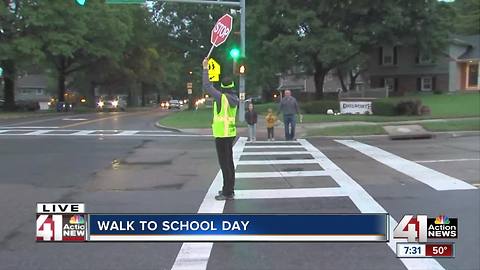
x=423 y=58
x=389 y=83
x=472 y=75
x=426 y=84
x=39 y=92
x=388 y=55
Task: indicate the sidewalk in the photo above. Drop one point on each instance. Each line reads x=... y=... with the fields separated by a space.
x=302 y=128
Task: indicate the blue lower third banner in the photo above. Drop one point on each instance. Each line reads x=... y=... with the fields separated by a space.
x=237 y=227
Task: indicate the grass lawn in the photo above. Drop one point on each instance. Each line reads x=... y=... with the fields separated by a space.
x=201 y=118
x=347 y=130
x=441 y=106
x=353 y=130
x=16 y=115
x=463 y=124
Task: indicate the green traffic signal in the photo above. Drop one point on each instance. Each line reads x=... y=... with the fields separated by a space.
x=81 y=2
x=235 y=53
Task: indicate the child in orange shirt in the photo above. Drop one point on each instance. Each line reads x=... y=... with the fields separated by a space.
x=271 y=119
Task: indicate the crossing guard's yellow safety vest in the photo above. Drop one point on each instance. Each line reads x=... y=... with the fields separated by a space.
x=224 y=122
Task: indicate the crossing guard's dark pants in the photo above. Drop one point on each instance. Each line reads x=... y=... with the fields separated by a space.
x=225 y=159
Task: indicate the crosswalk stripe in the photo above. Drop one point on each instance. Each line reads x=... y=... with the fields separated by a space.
x=271 y=142
x=127 y=133
x=277 y=162
x=280 y=174
x=290 y=193
x=3 y=131
x=432 y=178
x=271 y=146
x=38 y=132
x=274 y=153
x=82 y=132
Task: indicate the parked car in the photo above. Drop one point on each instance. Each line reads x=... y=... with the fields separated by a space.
x=63 y=106
x=111 y=104
x=174 y=104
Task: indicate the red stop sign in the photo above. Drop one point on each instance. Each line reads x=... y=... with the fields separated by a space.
x=221 y=30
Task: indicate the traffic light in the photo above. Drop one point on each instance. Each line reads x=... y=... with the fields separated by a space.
x=81 y=2
x=240 y=67
x=234 y=53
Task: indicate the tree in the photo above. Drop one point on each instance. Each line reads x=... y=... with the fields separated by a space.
x=467 y=19
x=322 y=35
x=73 y=38
x=17 y=43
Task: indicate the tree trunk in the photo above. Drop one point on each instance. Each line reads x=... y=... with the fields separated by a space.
x=61 y=86
x=142 y=86
x=342 y=81
x=9 y=74
x=353 y=80
x=319 y=77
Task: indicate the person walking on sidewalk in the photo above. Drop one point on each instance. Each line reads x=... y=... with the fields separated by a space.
x=251 y=118
x=289 y=108
x=271 y=119
x=224 y=130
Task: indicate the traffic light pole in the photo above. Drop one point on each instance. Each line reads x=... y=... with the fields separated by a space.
x=241 y=89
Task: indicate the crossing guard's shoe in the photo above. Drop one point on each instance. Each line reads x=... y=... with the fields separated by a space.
x=222 y=197
x=220 y=192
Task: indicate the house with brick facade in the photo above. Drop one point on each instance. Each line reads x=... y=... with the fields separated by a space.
x=406 y=69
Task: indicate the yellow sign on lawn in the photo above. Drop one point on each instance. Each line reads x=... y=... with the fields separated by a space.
x=214 y=70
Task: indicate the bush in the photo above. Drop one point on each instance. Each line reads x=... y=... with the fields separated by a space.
x=383 y=107
x=320 y=106
x=409 y=107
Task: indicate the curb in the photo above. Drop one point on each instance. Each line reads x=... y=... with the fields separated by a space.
x=157 y=125
x=453 y=134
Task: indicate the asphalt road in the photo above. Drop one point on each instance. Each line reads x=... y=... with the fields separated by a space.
x=121 y=163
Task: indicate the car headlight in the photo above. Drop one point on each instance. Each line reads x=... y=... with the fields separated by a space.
x=167 y=104
x=115 y=103
x=100 y=104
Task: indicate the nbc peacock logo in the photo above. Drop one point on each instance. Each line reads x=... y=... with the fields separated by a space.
x=77 y=219
x=442 y=219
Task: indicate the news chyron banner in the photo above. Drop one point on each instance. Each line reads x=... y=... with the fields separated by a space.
x=68 y=222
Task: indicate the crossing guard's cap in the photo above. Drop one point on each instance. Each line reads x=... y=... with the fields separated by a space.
x=227 y=83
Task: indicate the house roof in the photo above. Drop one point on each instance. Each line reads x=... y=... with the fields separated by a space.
x=32 y=81
x=473 y=50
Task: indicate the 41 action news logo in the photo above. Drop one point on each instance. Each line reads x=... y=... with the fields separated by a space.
x=61 y=222
x=420 y=228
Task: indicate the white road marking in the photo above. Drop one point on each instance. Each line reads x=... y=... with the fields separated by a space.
x=83 y=132
x=366 y=204
x=275 y=162
x=127 y=133
x=274 y=153
x=280 y=174
x=432 y=178
x=14 y=127
x=290 y=193
x=74 y=119
x=5 y=130
x=194 y=256
x=269 y=142
x=447 y=160
x=271 y=146
x=38 y=132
